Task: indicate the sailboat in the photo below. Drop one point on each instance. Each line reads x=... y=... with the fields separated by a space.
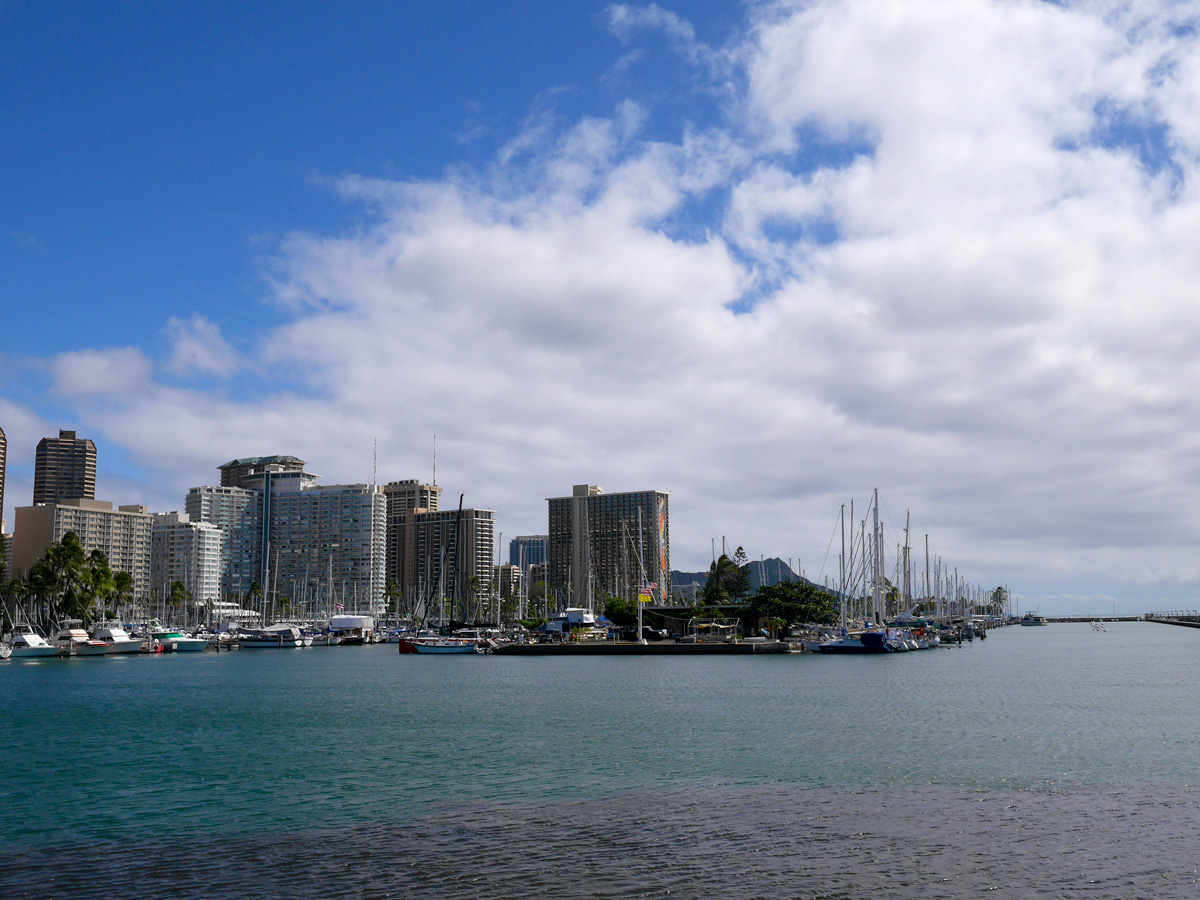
x=859 y=641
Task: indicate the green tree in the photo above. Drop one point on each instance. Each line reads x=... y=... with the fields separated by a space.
x=178 y=597
x=57 y=578
x=792 y=602
x=392 y=595
x=97 y=584
x=621 y=612
x=122 y=590
x=997 y=602
x=724 y=581
x=739 y=586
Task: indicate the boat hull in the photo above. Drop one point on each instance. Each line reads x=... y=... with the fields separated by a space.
x=183 y=645
x=36 y=652
x=422 y=647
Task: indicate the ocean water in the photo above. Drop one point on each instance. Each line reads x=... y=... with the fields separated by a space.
x=1041 y=762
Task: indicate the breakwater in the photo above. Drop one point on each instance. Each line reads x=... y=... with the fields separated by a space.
x=657 y=648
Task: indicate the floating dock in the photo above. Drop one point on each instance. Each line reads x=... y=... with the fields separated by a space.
x=652 y=648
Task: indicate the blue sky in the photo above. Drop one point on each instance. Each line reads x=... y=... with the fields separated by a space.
x=765 y=255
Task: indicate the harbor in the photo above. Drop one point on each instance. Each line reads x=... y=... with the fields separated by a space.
x=359 y=772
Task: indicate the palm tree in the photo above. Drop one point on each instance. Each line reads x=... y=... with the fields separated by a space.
x=179 y=596
x=97 y=583
x=122 y=590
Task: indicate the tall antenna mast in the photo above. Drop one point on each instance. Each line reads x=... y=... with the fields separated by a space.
x=375 y=464
x=435 y=460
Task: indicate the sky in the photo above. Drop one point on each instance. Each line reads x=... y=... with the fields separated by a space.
x=767 y=256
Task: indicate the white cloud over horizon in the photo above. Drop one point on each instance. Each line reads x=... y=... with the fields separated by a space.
x=943 y=249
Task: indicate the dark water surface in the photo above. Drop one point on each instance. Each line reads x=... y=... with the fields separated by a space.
x=1042 y=762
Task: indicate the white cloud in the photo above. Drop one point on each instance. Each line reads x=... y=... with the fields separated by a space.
x=117 y=374
x=197 y=348
x=952 y=279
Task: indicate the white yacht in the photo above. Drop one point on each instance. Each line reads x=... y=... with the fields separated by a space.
x=118 y=640
x=28 y=644
x=76 y=641
x=172 y=640
x=277 y=636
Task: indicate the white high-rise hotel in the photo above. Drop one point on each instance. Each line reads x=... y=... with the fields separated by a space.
x=320 y=545
x=185 y=551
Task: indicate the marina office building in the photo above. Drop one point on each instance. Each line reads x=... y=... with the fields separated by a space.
x=608 y=544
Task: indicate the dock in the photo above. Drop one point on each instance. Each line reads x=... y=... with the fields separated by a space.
x=653 y=648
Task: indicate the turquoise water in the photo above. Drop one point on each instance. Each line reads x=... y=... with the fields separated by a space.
x=230 y=747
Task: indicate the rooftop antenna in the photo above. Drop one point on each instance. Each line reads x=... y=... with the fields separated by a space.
x=435 y=460
x=375 y=465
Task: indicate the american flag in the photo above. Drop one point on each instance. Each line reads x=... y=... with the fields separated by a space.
x=339 y=606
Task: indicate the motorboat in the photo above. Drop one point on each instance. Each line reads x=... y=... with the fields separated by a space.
x=1033 y=619
x=118 y=640
x=859 y=642
x=25 y=643
x=172 y=640
x=273 y=636
x=76 y=641
x=447 y=645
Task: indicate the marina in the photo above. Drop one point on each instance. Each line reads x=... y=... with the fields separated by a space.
x=953 y=771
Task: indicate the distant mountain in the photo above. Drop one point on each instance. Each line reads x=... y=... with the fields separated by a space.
x=766 y=571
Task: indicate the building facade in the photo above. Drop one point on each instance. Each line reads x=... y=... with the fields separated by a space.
x=325 y=547
x=3 y=461
x=64 y=469
x=607 y=545
x=123 y=535
x=403 y=499
x=237 y=512
x=243 y=472
x=451 y=556
x=528 y=550
x=185 y=551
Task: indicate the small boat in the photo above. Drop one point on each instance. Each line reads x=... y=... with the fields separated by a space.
x=172 y=640
x=862 y=642
x=1032 y=619
x=76 y=641
x=118 y=640
x=447 y=645
x=25 y=643
x=273 y=636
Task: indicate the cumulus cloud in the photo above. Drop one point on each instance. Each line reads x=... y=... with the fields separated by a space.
x=197 y=348
x=918 y=254
x=119 y=374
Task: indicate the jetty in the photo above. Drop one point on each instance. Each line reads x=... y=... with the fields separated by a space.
x=652 y=648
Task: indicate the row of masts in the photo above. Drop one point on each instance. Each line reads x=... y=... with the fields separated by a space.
x=866 y=592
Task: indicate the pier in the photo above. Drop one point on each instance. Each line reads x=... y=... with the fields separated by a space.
x=1186 y=618
x=656 y=648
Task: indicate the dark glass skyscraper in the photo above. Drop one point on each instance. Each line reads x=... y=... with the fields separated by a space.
x=64 y=469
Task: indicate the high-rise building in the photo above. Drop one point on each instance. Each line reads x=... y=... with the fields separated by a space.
x=324 y=545
x=403 y=498
x=122 y=534
x=64 y=469
x=3 y=459
x=185 y=551
x=241 y=472
x=318 y=545
x=451 y=555
x=237 y=512
x=608 y=544
x=527 y=550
